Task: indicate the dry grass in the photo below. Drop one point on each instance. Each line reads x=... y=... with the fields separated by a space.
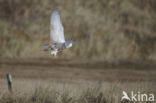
x=101 y=29
x=74 y=81
x=91 y=94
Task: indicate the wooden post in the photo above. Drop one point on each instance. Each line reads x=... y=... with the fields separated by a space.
x=9 y=79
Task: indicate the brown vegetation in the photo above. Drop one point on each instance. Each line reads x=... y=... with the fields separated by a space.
x=73 y=81
x=104 y=29
x=99 y=93
x=119 y=35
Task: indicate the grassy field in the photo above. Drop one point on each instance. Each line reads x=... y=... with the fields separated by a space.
x=114 y=50
x=74 y=81
x=101 y=29
x=55 y=92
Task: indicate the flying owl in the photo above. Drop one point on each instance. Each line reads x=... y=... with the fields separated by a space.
x=58 y=42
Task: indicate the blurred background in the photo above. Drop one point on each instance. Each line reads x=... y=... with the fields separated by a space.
x=101 y=29
x=114 y=43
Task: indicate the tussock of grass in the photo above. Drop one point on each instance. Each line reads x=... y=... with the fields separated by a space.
x=47 y=95
x=94 y=94
x=101 y=29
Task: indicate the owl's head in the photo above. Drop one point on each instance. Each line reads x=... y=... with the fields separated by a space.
x=68 y=43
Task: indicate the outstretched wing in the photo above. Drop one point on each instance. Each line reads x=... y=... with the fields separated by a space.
x=56 y=28
x=124 y=93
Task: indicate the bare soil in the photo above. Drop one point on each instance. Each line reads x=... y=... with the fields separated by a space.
x=78 y=70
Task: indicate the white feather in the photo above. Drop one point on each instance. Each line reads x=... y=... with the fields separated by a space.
x=56 y=28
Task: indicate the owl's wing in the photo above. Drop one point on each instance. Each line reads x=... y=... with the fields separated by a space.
x=124 y=93
x=56 y=28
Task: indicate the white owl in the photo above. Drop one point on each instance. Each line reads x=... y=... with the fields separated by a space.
x=58 y=42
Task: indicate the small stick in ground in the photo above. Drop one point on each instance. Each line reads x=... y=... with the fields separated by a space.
x=9 y=79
